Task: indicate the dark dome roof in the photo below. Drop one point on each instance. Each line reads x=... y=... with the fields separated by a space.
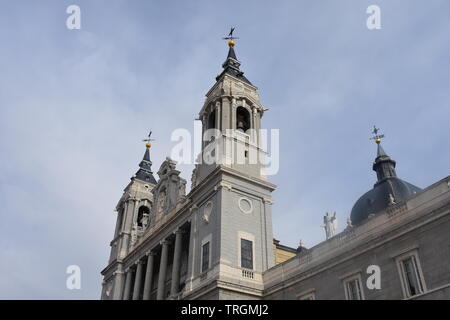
x=377 y=199
x=387 y=189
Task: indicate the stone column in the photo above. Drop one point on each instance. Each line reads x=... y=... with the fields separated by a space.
x=123 y=244
x=118 y=284
x=218 y=116
x=269 y=260
x=126 y=293
x=192 y=248
x=149 y=276
x=118 y=223
x=138 y=281
x=162 y=270
x=203 y=131
x=233 y=113
x=137 y=204
x=176 y=263
x=254 y=115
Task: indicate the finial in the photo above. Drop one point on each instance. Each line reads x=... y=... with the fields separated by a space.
x=147 y=141
x=230 y=38
x=377 y=137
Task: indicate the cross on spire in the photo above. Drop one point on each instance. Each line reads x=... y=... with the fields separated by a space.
x=377 y=137
x=148 y=140
x=230 y=37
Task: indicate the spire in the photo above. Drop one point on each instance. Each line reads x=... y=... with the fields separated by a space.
x=232 y=64
x=145 y=166
x=380 y=151
x=384 y=166
x=231 y=53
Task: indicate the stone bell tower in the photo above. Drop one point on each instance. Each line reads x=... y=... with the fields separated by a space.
x=231 y=123
x=231 y=237
x=133 y=217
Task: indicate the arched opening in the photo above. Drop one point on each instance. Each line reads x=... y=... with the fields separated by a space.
x=242 y=119
x=212 y=120
x=143 y=216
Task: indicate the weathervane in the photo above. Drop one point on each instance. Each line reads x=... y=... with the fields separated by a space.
x=230 y=37
x=148 y=140
x=377 y=137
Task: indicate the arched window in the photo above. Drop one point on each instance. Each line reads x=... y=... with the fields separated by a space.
x=242 y=119
x=212 y=120
x=142 y=212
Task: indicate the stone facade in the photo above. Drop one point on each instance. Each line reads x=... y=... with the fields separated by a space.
x=216 y=242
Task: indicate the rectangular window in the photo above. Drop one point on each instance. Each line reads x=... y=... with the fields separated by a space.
x=307 y=296
x=411 y=276
x=353 y=289
x=246 y=254
x=205 y=257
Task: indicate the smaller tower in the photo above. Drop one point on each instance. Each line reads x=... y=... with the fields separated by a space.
x=133 y=217
x=384 y=166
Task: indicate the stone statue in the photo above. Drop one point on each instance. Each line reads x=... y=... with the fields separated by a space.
x=391 y=200
x=145 y=219
x=349 y=223
x=194 y=178
x=182 y=188
x=301 y=246
x=330 y=224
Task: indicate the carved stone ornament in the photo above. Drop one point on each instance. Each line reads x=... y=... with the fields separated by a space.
x=207 y=210
x=108 y=288
x=245 y=205
x=161 y=200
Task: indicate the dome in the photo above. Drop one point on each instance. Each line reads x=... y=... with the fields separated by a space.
x=379 y=198
x=387 y=191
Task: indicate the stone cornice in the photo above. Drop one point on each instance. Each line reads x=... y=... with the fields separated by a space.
x=223 y=169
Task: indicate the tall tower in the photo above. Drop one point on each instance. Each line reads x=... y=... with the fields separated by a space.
x=231 y=235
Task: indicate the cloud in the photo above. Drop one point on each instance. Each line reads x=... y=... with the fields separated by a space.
x=74 y=106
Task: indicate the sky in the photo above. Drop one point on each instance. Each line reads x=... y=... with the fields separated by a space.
x=75 y=105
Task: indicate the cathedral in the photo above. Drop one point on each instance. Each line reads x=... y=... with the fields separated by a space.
x=216 y=242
